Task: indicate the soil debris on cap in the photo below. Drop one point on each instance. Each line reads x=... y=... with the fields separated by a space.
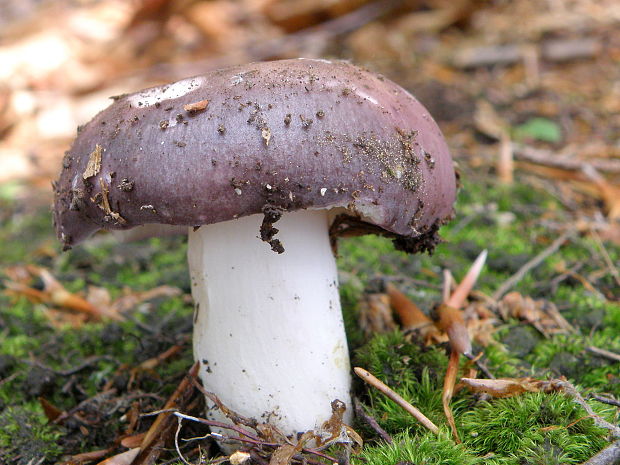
x=196 y=106
x=126 y=185
x=94 y=163
x=267 y=231
x=103 y=202
x=266 y=135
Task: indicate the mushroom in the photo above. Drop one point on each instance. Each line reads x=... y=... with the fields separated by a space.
x=296 y=152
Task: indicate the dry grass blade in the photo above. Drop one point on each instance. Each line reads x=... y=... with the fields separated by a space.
x=55 y=294
x=148 y=452
x=360 y=413
x=448 y=391
x=284 y=454
x=505 y=387
x=604 y=353
x=608 y=192
x=409 y=314
x=79 y=459
x=461 y=292
x=381 y=386
x=412 y=318
x=451 y=321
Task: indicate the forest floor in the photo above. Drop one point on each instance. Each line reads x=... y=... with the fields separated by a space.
x=527 y=96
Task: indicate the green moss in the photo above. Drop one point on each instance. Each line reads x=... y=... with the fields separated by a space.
x=531 y=429
x=501 y=362
x=568 y=356
x=414 y=372
x=26 y=435
x=425 y=449
x=539 y=428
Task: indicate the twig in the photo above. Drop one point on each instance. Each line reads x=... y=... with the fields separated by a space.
x=9 y=378
x=164 y=423
x=257 y=458
x=568 y=162
x=237 y=429
x=554 y=50
x=461 y=292
x=570 y=390
x=604 y=353
x=608 y=456
x=176 y=441
x=250 y=439
x=71 y=412
x=481 y=366
x=606 y=400
x=448 y=390
x=278 y=46
x=359 y=411
x=533 y=263
x=71 y=371
x=378 y=384
x=608 y=261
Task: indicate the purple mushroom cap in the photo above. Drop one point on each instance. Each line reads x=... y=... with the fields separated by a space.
x=266 y=138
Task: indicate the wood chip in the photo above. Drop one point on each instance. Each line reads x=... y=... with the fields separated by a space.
x=196 y=106
x=105 y=204
x=94 y=163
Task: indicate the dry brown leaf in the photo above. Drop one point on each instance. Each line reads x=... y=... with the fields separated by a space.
x=375 y=314
x=133 y=441
x=51 y=411
x=78 y=459
x=124 y=458
x=508 y=387
x=412 y=318
x=54 y=293
x=448 y=390
x=239 y=457
x=165 y=421
x=285 y=453
x=480 y=321
x=130 y=298
x=608 y=192
x=293 y=15
x=409 y=314
x=542 y=314
x=489 y=122
x=95 y=306
x=451 y=321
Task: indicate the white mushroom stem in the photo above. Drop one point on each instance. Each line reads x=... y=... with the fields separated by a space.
x=268 y=328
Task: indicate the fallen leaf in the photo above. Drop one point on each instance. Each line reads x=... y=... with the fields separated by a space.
x=51 y=411
x=412 y=318
x=124 y=458
x=285 y=453
x=542 y=314
x=448 y=390
x=451 y=321
x=375 y=314
x=239 y=458
x=87 y=457
x=509 y=387
x=94 y=163
x=133 y=441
